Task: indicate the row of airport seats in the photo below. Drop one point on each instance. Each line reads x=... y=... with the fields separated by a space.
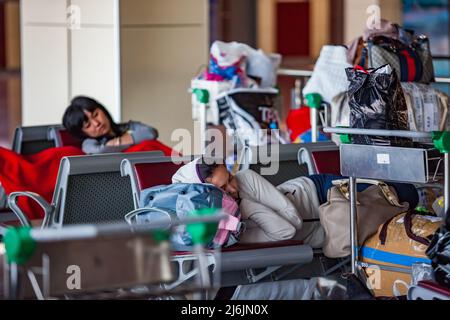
x=89 y=177
x=103 y=188
x=33 y=139
x=308 y=154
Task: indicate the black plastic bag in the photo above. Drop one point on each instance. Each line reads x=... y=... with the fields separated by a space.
x=376 y=101
x=356 y=286
x=439 y=253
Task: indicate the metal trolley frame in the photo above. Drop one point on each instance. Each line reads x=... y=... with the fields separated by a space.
x=111 y=261
x=391 y=163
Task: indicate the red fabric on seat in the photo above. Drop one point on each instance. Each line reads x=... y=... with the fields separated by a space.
x=152 y=145
x=68 y=140
x=38 y=172
x=435 y=287
x=327 y=161
x=153 y=174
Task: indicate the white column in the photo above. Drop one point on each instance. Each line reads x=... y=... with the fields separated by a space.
x=69 y=48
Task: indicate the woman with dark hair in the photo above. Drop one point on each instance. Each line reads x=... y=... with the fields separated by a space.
x=89 y=120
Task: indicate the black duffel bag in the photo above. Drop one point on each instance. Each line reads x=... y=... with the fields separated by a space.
x=376 y=101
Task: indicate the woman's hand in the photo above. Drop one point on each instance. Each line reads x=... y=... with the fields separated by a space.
x=124 y=139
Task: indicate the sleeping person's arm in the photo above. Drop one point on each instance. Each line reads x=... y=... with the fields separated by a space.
x=93 y=146
x=140 y=132
x=124 y=140
x=254 y=186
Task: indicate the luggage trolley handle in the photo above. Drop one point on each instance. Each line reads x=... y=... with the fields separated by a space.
x=380 y=132
x=441 y=141
x=202 y=225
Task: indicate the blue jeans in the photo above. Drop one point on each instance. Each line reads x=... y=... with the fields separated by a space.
x=405 y=191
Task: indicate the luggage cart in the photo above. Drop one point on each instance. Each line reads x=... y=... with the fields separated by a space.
x=108 y=261
x=420 y=165
x=315 y=104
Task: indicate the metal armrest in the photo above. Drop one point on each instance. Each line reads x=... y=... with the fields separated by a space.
x=324 y=114
x=380 y=132
x=12 y=202
x=3 y=197
x=132 y=214
x=245 y=159
x=53 y=135
x=304 y=157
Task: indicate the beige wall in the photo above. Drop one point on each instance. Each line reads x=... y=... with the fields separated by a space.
x=12 y=35
x=355 y=15
x=12 y=32
x=320 y=20
x=391 y=10
x=164 y=43
x=266 y=25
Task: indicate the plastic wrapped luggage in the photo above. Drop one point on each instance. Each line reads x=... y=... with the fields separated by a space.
x=439 y=253
x=390 y=254
x=389 y=43
x=427 y=107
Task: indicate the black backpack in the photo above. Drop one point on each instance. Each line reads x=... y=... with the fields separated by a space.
x=439 y=253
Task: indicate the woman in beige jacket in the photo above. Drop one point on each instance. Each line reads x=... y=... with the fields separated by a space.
x=270 y=213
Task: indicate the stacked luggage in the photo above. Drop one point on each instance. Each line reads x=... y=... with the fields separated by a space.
x=383 y=81
x=242 y=98
x=395 y=255
x=409 y=57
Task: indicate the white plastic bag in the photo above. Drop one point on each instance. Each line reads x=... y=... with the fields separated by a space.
x=229 y=53
x=427 y=107
x=263 y=66
x=229 y=61
x=329 y=77
x=236 y=61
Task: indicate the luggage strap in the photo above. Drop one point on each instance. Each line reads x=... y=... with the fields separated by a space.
x=411 y=67
x=408 y=228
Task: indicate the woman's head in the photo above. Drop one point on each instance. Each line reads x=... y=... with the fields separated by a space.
x=222 y=178
x=207 y=171
x=86 y=117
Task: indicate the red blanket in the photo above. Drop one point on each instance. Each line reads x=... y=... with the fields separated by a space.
x=38 y=172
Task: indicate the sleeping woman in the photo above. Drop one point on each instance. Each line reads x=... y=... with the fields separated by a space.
x=274 y=213
x=89 y=120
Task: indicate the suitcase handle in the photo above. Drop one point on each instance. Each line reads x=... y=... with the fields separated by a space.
x=408 y=228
